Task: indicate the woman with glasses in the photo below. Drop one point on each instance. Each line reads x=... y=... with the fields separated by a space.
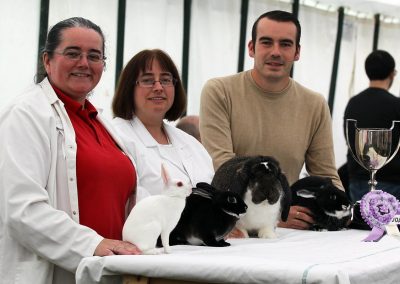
x=149 y=91
x=59 y=198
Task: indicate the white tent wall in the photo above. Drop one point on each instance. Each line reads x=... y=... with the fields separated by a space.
x=364 y=40
x=389 y=40
x=355 y=46
x=160 y=27
x=214 y=43
x=318 y=36
x=213 y=46
x=343 y=85
x=19 y=29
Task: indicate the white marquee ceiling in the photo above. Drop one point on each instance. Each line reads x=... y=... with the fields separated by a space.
x=390 y=8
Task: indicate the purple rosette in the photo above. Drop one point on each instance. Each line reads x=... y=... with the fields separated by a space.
x=378 y=209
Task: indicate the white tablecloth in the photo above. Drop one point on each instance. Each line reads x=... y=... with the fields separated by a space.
x=294 y=257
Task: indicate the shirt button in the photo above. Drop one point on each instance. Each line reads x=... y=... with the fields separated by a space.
x=71 y=179
x=74 y=212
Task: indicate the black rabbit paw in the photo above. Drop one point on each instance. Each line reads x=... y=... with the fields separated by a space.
x=215 y=243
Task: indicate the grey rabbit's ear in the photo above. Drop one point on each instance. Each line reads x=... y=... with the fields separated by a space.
x=287 y=197
x=305 y=193
x=243 y=172
x=240 y=180
x=203 y=193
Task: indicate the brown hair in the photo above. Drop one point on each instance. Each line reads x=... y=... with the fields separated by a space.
x=123 y=105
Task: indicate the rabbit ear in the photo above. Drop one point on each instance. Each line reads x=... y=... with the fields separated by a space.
x=306 y=193
x=202 y=193
x=204 y=185
x=287 y=197
x=164 y=174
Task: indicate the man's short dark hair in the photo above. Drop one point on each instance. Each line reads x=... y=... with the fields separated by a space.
x=278 y=16
x=379 y=65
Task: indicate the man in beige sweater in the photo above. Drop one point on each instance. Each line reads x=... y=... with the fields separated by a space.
x=263 y=111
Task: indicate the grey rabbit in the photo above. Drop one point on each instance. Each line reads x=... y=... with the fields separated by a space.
x=263 y=187
x=330 y=205
x=209 y=215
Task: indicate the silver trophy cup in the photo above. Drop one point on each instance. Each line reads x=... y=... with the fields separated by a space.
x=371 y=147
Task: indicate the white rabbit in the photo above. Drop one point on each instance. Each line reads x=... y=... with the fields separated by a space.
x=156 y=215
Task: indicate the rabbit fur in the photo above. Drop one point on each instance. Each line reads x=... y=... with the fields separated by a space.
x=263 y=187
x=209 y=215
x=156 y=215
x=330 y=205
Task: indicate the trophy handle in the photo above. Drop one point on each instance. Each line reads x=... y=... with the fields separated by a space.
x=394 y=124
x=353 y=122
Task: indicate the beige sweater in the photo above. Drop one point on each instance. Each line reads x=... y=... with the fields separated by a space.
x=294 y=125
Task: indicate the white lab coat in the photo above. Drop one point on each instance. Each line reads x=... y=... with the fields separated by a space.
x=41 y=239
x=149 y=155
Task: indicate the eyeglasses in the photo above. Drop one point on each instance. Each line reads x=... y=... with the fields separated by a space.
x=76 y=55
x=148 y=82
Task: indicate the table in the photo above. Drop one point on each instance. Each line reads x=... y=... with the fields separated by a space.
x=294 y=257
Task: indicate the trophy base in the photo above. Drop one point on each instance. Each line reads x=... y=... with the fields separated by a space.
x=357 y=222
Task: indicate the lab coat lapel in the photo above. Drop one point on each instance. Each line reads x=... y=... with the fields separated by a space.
x=143 y=134
x=150 y=142
x=180 y=145
x=182 y=149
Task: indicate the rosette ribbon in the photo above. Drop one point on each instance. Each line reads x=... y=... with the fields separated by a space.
x=378 y=209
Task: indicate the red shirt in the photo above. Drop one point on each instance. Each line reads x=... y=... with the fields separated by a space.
x=105 y=175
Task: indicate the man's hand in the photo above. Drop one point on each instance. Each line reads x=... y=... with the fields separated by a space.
x=115 y=247
x=299 y=218
x=235 y=234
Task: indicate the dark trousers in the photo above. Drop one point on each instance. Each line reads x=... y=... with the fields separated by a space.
x=358 y=187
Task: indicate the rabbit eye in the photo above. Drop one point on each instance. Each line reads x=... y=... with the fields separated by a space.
x=179 y=184
x=232 y=199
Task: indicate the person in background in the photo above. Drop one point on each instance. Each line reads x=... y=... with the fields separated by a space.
x=263 y=111
x=190 y=125
x=59 y=198
x=149 y=91
x=375 y=107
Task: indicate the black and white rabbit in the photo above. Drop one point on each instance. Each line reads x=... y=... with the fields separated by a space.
x=209 y=215
x=263 y=187
x=156 y=215
x=330 y=206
